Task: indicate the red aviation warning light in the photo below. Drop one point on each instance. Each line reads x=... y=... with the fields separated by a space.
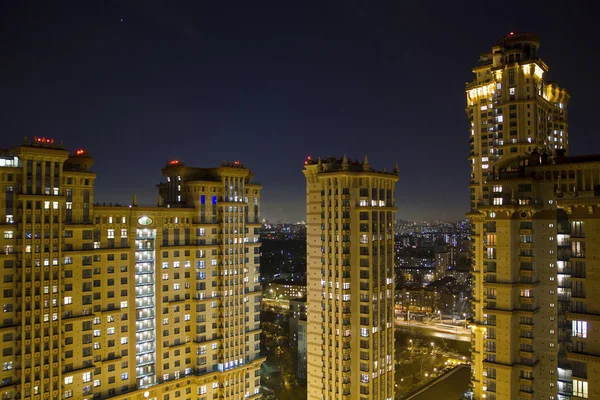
x=173 y=162
x=43 y=139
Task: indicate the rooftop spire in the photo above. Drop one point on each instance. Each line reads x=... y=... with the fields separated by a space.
x=345 y=163
x=366 y=166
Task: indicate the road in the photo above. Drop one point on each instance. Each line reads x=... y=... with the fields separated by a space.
x=437 y=330
x=450 y=386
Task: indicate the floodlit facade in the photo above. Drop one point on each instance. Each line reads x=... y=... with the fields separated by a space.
x=512 y=109
x=127 y=302
x=350 y=279
x=535 y=223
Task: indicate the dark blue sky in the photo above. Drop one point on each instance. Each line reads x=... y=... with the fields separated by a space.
x=269 y=83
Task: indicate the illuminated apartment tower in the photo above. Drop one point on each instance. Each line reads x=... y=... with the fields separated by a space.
x=512 y=110
x=350 y=280
x=127 y=302
x=533 y=210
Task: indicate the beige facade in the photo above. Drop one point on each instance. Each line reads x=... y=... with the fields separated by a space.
x=127 y=302
x=350 y=271
x=512 y=109
x=535 y=219
x=534 y=290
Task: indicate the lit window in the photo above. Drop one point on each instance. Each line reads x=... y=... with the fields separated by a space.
x=68 y=300
x=87 y=377
x=123 y=233
x=579 y=329
x=511 y=91
x=8 y=234
x=68 y=380
x=111 y=233
x=580 y=388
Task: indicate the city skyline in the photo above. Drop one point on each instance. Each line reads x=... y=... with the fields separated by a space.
x=280 y=82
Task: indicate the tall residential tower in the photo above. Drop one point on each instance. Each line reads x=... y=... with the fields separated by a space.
x=127 y=302
x=535 y=221
x=512 y=110
x=350 y=272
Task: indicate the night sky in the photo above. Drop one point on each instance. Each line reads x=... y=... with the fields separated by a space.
x=140 y=82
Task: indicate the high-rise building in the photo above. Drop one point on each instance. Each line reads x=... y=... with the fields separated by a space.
x=512 y=109
x=350 y=277
x=535 y=225
x=297 y=333
x=127 y=302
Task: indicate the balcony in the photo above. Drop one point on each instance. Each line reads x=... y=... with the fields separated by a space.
x=527 y=300
x=526 y=381
x=526 y=395
x=527 y=354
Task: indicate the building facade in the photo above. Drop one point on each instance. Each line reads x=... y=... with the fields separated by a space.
x=297 y=333
x=535 y=216
x=127 y=302
x=512 y=110
x=286 y=289
x=350 y=279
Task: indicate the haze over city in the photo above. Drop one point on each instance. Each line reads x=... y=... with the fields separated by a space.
x=139 y=83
